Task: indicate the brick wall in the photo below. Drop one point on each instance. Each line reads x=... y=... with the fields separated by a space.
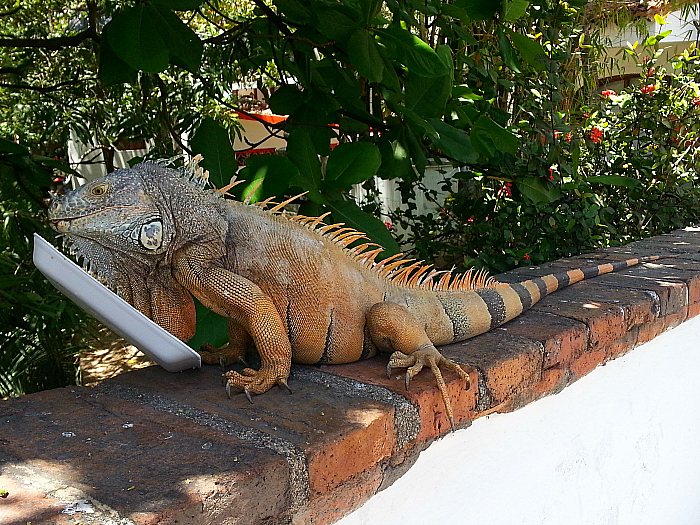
x=154 y=447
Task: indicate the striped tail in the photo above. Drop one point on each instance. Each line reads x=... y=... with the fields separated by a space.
x=518 y=297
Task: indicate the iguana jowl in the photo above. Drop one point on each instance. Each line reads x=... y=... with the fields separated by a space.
x=156 y=235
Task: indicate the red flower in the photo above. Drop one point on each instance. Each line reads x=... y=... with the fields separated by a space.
x=505 y=190
x=470 y=220
x=568 y=137
x=649 y=89
x=607 y=93
x=596 y=135
x=696 y=101
x=388 y=225
x=551 y=174
x=526 y=256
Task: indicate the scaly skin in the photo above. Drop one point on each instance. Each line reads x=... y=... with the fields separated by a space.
x=290 y=286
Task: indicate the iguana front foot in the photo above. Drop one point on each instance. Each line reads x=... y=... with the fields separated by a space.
x=428 y=355
x=251 y=381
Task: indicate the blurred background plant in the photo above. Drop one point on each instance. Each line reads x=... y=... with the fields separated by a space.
x=41 y=334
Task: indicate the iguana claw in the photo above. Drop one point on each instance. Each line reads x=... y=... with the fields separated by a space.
x=388 y=370
x=283 y=384
x=228 y=389
x=247 y=394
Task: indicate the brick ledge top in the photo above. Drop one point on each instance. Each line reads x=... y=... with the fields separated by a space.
x=153 y=447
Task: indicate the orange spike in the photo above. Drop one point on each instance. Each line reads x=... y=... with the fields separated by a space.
x=348 y=233
x=252 y=192
x=444 y=281
x=369 y=257
x=329 y=227
x=232 y=184
x=283 y=204
x=347 y=241
x=381 y=263
x=319 y=220
x=357 y=250
x=337 y=233
x=388 y=268
x=417 y=276
x=263 y=204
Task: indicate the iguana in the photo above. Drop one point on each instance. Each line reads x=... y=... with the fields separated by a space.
x=291 y=284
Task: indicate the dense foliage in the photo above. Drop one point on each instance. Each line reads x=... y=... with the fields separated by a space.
x=503 y=90
x=40 y=332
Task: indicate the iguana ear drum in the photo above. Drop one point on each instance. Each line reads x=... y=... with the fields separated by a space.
x=151 y=235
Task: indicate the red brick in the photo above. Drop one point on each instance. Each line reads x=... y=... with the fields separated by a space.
x=328 y=425
x=331 y=506
x=587 y=363
x=673 y=320
x=553 y=380
x=693 y=309
x=562 y=338
x=508 y=364
x=351 y=454
x=422 y=392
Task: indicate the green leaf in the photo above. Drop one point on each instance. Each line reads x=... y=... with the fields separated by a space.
x=427 y=96
x=489 y=137
x=286 y=100
x=530 y=50
x=184 y=46
x=353 y=217
x=178 y=5
x=507 y=52
x=352 y=162
x=7 y=146
x=113 y=70
x=313 y=118
x=301 y=151
x=275 y=172
x=293 y=10
x=213 y=142
x=364 y=55
x=418 y=56
x=454 y=142
x=538 y=190
x=614 y=180
x=514 y=9
x=211 y=328
x=480 y=9
x=396 y=161
x=334 y=24
x=136 y=39
x=370 y=8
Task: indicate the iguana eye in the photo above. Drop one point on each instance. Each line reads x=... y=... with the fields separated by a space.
x=99 y=190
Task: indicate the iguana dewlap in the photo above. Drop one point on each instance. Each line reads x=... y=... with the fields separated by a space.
x=290 y=285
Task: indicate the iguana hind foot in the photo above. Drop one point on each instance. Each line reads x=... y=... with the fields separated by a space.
x=428 y=355
x=392 y=327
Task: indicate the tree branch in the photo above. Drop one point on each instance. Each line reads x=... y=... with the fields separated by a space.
x=52 y=43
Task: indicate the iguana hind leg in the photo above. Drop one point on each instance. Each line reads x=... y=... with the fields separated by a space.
x=393 y=328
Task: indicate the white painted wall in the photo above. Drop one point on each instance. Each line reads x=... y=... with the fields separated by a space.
x=620 y=446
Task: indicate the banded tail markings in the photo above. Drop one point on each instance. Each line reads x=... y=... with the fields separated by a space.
x=476 y=312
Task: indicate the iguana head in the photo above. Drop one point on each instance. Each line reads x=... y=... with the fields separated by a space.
x=117 y=212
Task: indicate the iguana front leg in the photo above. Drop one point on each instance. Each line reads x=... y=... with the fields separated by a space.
x=245 y=303
x=393 y=328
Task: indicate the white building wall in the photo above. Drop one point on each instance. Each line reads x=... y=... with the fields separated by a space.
x=620 y=446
